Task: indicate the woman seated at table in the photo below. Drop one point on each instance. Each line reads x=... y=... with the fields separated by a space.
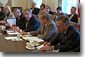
x=8 y=14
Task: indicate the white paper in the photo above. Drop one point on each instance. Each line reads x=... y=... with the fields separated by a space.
x=39 y=47
x=9 y=38
x=13 y=38
x=9 y=31
x=11 y=21
x=14 y=33
x=33 y=39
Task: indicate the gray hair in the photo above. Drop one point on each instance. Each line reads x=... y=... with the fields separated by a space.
x=65 y=19
x=29 y=10
x=16 y=10
x=8 y=7
x=44 y=15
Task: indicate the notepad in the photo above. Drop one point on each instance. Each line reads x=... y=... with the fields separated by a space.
x=11 y=21
x=13 y=33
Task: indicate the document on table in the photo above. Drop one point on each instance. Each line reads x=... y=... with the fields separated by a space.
x=33 y=39
x=13 y=33
x=13 y=38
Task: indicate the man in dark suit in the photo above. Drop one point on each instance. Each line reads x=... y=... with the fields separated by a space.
x=31 y=23
x=34 y=9
x=2 y=14
x=68 y=38
x=20 y=19
x=73 y=16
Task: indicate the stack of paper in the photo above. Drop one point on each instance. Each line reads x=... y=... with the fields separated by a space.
x=33 y=39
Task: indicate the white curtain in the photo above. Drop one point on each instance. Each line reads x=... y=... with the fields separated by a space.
x=67 y=4
x=3 y=2
x=38 y=3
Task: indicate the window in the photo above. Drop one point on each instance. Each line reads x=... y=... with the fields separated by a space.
x=38 y=3
x=67 y=4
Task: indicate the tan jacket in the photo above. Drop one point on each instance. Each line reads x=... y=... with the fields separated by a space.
x=47 y=32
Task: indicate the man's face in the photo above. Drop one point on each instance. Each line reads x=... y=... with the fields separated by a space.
x=73 y=10
x=17 y=13
x=27 y=15
x=42 y=22
x=61 y=26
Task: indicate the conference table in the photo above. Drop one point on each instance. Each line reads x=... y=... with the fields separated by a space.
x=12 y=46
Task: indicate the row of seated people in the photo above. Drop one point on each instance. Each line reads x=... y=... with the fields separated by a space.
x=61 y=35
x=73 y=16
x=23 y=21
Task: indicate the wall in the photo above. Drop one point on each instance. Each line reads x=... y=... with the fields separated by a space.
x=19 y=3
x=28 y=3
x=9 y=3
x=59 y=2
x=53 y=4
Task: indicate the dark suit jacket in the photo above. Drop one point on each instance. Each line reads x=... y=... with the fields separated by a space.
x=33 y=25
x=35 y=11
x=74 y=18
x=70 y=41
x=20 y=22
x=2 y=16
x=51 y=12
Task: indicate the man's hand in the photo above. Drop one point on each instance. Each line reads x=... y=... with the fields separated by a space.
x=7 y=24
x=15 y=28
x=23 y=33
x=46 y=47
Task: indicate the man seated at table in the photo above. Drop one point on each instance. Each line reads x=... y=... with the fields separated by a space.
x=73 y=16
x=68 y=38
x=20 y=19
x=31 y=23
x=47 y=28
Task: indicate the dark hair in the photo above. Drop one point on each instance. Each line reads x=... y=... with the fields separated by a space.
x=59 y=8
x=65 y=19
x=48 y=6
x=74 y=7
x=42 y=5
